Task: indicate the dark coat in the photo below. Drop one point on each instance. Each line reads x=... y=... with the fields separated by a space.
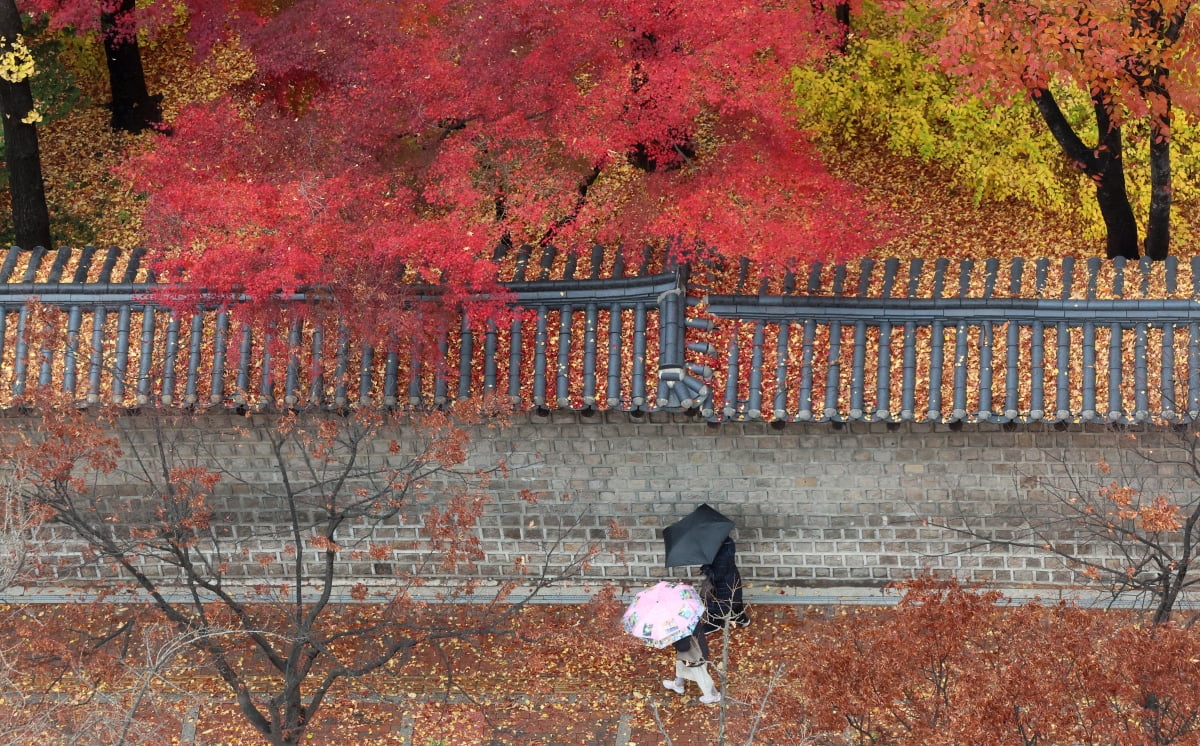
x=723 y=596
x=683 y=646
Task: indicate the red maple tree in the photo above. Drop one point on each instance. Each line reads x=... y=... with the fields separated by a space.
x=955 y=664
x=383 y=144
x=120 y=21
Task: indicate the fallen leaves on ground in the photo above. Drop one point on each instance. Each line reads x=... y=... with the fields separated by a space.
x=564 y=676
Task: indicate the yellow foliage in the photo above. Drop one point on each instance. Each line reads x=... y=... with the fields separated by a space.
x=16 y=64
x=885 y=91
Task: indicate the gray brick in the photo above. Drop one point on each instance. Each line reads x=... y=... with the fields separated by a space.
x=813 y=504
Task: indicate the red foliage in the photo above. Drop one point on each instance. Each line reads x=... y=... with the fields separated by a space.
x=336 y=493
x=950 y=665
x=384 y=144
x=1130 y=55
x=209 y=20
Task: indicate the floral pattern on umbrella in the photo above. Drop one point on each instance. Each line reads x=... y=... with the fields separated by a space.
x=664 y=613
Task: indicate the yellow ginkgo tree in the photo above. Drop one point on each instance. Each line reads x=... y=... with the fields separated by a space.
x=1133 y=60
x=902 y=82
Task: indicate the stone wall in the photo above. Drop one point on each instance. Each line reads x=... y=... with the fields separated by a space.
x=825 y=506
x=815 y=505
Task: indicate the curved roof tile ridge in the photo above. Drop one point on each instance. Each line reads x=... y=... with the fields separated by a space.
x=937 y=278
x=878 y=340
x=65 y=265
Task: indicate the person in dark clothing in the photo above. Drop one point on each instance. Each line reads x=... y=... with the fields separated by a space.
x=722 y=590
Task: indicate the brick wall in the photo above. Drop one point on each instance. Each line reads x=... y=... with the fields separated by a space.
x=815 y=505
x=823 y=506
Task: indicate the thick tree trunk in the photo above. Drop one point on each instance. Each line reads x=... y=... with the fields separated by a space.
x=1158 y=228
x=1155 y=88
x=31 y=218
x=133 y=108
x=1111 y=195
x=1158 y=225
x=1105 y=167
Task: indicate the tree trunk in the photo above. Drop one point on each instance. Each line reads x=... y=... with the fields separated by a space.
x=1105 y=167
x=31 y=218
x=1111 y=195
x=133 y=108
x=841 y=12
x=1158 y=225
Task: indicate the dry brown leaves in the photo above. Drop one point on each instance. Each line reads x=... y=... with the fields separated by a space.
x=566 y=676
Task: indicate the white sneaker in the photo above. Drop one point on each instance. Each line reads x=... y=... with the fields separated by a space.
x=675 y=686
x=710 y=699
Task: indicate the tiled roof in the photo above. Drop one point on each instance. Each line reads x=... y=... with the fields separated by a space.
x=890 y=341
x=944 y=341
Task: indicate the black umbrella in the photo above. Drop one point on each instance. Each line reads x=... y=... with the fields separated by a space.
x=695 y=539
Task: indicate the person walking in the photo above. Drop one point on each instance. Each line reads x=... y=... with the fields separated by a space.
x=722 y=591
x=691 y=664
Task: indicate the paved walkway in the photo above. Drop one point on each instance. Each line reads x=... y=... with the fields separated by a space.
x=582 y=684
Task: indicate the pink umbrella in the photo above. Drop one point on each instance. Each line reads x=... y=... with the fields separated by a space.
x=663 y=614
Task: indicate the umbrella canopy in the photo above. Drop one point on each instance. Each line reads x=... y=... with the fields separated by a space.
x=663 y=614
x=695 y=539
